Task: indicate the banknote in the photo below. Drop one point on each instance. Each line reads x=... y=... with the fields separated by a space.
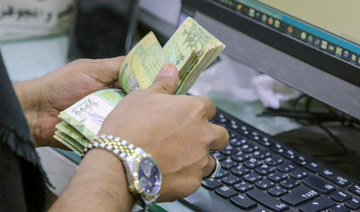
x=142 y=64
x=87 y=115
x=191 y=49
x=70 y=131
x=68 y=142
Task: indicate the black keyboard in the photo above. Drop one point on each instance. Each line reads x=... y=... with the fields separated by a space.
x=260 y=174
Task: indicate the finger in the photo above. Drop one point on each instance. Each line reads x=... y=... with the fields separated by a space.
x=166 y=81
x=111 y=65
x=210 y=106
x=221 y=138
x=209 y=169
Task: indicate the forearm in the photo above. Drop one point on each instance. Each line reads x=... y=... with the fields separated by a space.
x=98 y=185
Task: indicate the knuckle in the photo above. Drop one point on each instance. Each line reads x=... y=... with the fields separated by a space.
x=208 y=138
x=199 y=109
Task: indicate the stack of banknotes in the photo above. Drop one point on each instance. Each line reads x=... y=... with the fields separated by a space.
x=191 y=49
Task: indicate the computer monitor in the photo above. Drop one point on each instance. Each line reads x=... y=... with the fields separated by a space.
x=313 y=46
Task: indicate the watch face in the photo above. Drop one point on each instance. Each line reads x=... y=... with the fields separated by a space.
x=149 y=176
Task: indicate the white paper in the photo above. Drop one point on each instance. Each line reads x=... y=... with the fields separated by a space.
x=32 y=18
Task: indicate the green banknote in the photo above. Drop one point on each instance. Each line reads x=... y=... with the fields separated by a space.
x=86 y=116
x=142 y=64
x=191 y=49
x=70 y=131
x=68 y=142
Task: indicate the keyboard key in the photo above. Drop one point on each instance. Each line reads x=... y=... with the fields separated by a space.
x=228 y=150
x=318 y=204
x=254 y=134
x=277 y=148
x=299 y=174
x=243 y=202
x=261 y=154
x=235 y=142
x=264 y=184
x=299 y=195
x=277 y=176
x=249 y=148
x=288 y=153
x=314 y=167
x=289 y=183
x=223 y=173
x=355 y=189
x=341 y=181
x=277 y=191
x=232 y=122
x=252 y=163
x=240 y=170
x=227 y=163
x=264 y=210
x=230 y=179
x=240 y=157
x=232 y=134
x=211 y=183
x=218 y=155
x=273 y=160
x=252 y=177
x=234 y=126
x=243 y=186
x=319 y=184
x=339 y=208
x=220 y=118
x=301 y=160
x=264 y=141
x=264 y=169
x=267 y=200
x=225 y=191
x=340 y=196
x=286 y=167
x=353 y=203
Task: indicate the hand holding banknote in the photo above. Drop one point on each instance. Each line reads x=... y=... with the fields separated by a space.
x=191 y=49
x=42 y=99
x=175 y=130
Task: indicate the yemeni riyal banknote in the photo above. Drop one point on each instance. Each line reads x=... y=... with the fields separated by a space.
x=191 y=49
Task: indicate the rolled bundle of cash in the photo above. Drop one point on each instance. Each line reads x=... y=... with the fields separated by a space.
x=191 y=49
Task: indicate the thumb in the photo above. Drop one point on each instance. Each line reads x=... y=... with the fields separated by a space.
x=166 y=81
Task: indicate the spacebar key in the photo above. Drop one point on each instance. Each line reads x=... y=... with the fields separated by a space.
x=267 y=200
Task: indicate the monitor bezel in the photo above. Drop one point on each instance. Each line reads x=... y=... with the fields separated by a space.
x=309 y=54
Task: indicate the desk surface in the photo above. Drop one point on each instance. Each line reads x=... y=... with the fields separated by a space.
x=28 y=59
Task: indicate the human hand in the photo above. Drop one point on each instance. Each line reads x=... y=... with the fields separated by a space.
x=44 y=98
x=173 y=129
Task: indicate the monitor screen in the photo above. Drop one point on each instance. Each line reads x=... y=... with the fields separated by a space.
x=336 y=21
x=328 y=25
x=313 y=46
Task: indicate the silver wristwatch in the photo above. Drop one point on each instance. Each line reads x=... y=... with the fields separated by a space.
x=142 y=171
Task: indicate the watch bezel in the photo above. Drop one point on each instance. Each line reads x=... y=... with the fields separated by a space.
x=134 y=181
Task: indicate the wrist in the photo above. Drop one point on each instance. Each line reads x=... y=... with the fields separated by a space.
x=28 y=94
x=111 y=177
x=98 y=185
x=143 y=173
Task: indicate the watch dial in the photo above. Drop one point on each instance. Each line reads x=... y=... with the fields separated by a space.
x=149 y=176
